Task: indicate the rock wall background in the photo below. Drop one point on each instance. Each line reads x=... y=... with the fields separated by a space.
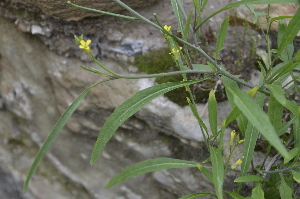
x=39 y=78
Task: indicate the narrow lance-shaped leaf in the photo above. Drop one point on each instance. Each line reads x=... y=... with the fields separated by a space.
x=256 y=14
x=187 y=26
x=249 y=178
x=195 y=113
x=296 y=130
x=178 y=14
x=196 y=195
x=128 y=108
x=283 y=71
x=285 y=126
x=251 y=136
x=241 y=119
x=55 y=131
x=234 y=195
x=235 y=113
x=278 y=93
x=296 y=176
x=290 y=33
x=221 y=37
x=258 y=118
x=288 y=51
x=149 y=165
x=257 y=192
x=205 y=172
x=275 y=111
x=285 y=190
x=293 y=153
x=218 y=170
x=213 y=113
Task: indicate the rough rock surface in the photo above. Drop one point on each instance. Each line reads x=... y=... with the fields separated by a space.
x=276 y=10
x=61 y=10
x=40 y=77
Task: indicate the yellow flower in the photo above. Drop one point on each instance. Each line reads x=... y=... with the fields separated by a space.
x=175 y=53
x=241 y=141
x=232 y=135
x=239 y=161
x=168 y=28
x=85 y=45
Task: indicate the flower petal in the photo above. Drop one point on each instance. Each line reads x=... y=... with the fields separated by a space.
x=88 y=42
x=82 y=42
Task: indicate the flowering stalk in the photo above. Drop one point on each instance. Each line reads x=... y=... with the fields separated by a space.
x=85 y=46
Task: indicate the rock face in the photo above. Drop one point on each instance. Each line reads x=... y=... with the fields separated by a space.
x=61 y=10
x=40 y=77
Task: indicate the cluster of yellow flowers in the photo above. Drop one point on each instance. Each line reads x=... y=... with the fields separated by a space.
x=232 y=136
x=174 y=50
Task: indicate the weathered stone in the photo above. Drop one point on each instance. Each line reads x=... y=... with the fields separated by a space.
x=61 y=10
x=286 y=9
x=38 y=82
x=48 y=83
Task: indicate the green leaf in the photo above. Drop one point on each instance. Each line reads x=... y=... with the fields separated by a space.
x=205 y=172
x=213 y=113
x=285 y=190
x=241 y=119
x=55 y=131
x=282 y=71
x=258 y=118
x=296 y=176
x=257 y=192
x=293 y=153
x=234 y=195
x=249 y=178
x=128 y=108
x=296 y=130
x=178 y=14
x=217 y=170
x=195 y=113
x=187 y=26
x=285 y=127
x=256 y=14
x=203 y=5
x=195 y=195
x=201 y=67
x=278 y=93
x=251 y=136
x=288 y=51
x=147 y=166
x=233 y=115
x=275 y=112
x=221 y=36
x=272 y=193
x=297 y=56
x=290 y=33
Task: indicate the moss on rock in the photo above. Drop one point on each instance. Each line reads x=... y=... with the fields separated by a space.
x=161 y=61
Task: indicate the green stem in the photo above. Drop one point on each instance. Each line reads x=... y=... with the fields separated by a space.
x=283 y=170
x=209 y=59
x=185 y=18
x=150 y=75
x=102 y=12
x=268 y=39
x=275 y=171
x=138 y=76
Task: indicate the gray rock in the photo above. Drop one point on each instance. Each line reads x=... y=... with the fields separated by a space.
x=40 y=77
